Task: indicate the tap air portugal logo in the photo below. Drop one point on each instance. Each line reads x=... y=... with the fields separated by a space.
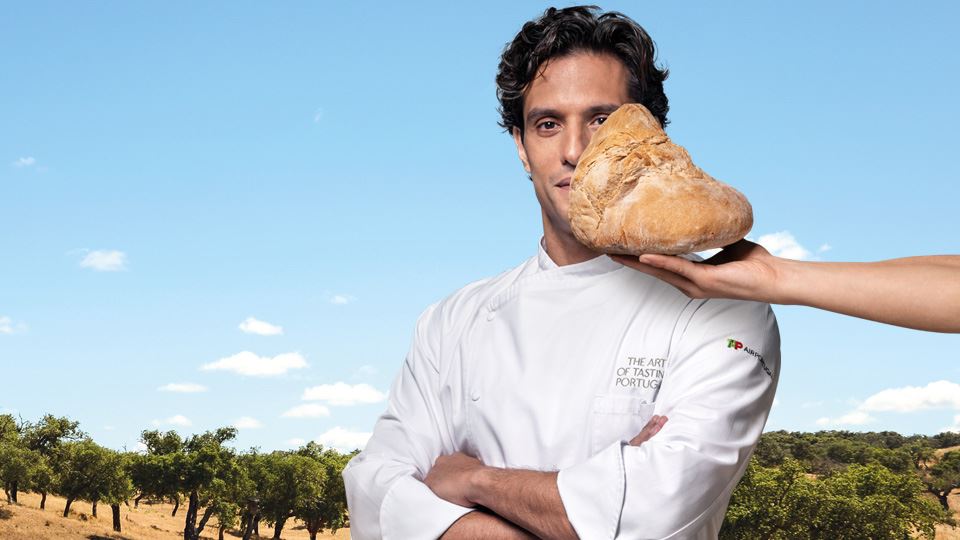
x=739 y=346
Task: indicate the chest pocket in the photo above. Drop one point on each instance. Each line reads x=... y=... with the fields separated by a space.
x=617 y=418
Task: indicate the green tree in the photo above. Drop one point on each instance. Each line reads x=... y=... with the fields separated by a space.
x=42 y=479
x=11 y=458
x=290 y=481
x=860 y=501
x=772 y=448
x=329 y=510
x=79 y=470
x=771 y=503
x=944 y=477
x=16 y=464
x=112 y=483
x=49 y=433
x=870 y=501
x=253 y=465
x=21 y=467
x=946 y=439
x=46 y=437
x=9 y=428
x=208 y=472
x=155 y=473
x=921 y=454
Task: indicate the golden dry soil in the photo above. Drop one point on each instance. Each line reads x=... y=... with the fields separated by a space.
x=25 y=521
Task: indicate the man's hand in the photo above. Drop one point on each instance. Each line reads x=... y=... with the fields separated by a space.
x=452 y=476
x=652 y=428
x=741 y=271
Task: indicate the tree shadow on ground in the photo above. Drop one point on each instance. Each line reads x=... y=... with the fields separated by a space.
x=100 y=537
x=5 y=513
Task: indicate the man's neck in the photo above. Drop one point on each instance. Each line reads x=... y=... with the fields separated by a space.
x=564 y=249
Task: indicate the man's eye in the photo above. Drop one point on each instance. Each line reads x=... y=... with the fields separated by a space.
x=601 y=119
x=548 y=124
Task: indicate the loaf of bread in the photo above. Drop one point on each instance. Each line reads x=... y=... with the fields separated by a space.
x=634 y=192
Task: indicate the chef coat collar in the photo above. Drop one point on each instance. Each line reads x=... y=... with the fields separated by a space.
x=593 y=267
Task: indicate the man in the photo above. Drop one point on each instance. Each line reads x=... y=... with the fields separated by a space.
x=512 y=415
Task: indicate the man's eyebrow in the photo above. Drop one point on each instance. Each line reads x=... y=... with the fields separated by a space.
x=541 y=112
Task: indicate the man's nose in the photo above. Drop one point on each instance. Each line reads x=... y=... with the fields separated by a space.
x=575 y=140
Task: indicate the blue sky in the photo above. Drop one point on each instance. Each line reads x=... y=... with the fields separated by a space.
x=169 y=170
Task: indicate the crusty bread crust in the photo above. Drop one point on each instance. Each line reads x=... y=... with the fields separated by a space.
x=634 y=192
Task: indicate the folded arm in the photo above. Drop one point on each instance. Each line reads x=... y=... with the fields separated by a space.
x=481 y=525
x=529 y=499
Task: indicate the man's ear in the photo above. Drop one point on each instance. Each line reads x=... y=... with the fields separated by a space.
x=521 y=151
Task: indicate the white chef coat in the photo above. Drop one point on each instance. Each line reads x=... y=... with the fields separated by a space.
x=554 y=369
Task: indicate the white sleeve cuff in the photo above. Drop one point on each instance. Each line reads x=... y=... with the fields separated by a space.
x=410 y=511
x=592 y=493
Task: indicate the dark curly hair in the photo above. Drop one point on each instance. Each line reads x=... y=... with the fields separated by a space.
x=560 y=32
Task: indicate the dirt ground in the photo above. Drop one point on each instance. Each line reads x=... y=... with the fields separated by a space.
x=25 y=521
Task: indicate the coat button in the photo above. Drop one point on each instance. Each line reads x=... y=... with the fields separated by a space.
x=475 y=395
x=490 y=315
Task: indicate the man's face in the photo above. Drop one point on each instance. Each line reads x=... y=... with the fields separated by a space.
x=562 y=108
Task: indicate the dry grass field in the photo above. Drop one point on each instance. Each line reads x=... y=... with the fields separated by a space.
x=25 y=521
x=944 y=532
x=951 y=533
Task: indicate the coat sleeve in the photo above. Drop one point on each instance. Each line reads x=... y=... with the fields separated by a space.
x=385 y=491
x=717 y=392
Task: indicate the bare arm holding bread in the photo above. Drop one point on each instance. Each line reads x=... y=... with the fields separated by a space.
x=915 y=292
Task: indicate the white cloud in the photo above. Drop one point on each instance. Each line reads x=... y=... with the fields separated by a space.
x=24 y=162
x=853 y=418
x=175 y=420
x=365 y=371
x=776 y=402
x=955 y=427
x=261 y=328
x=307 y=410
x=109 y=428
x=105 y=261
x=342 y=393
x=317 y=116
x=341 y=299
x=183 y=388
x=824 y=248
x=783 y=244
x=811 y=404
x=248 y=363
x=246 y=422
x=140 y=447
x=936 y=395
x=296 y=442
x=343 y=439
x=8 y=327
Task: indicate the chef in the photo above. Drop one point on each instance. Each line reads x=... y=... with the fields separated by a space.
x=513 y=412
